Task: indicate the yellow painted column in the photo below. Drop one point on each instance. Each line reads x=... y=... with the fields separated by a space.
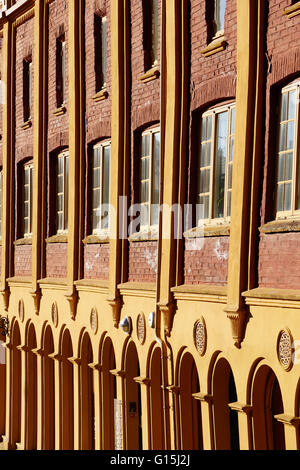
x=120 y=411
x=39 y=368
x=7 y=79
x=97 y=412
x=242 y=165
x=207 y=420
x=22 y=444
x=291 y=430
x=5 y=438
x=57 y=359
x=76 y=148
x=144 y=384
x=245 y=427
x=119 y=147
x=39 y=150
x=77 y=404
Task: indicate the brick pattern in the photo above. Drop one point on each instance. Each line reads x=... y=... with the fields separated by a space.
x=56 y=260
x=96 y=261
x=206 y=261
x=279 y=261
x=142 y=262
x=23 y=255
x=277 y=251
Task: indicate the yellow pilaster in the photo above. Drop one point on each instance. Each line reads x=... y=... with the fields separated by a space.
x=119 y=146
x=97 y=412
x=22 y=444
x=242 y=165
x=57 y=360
x=207 y=420
x=39 y=152
x=245 y=426
x=39 y=375
x=76 y=151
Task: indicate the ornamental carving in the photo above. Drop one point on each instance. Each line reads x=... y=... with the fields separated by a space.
x=285 y=349
x=21 y=310
x=94 y=320
x=200 y=336
x=54 y=314
x=141 y=328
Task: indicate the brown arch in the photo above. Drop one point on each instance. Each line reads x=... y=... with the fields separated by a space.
x=190 y=435
x=267 y=402
x=156 y=406
x=15 y=387
x=66 y=393
x=108 y=395
x=225 y=420
x=87 y=406
x=133 y=409
x=48 y=391
x=31 y=390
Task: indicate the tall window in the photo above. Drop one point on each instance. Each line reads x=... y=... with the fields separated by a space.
x=219 y=16
x=288 y=169
x=27 y=89
x=150 y=14
x=100 y=177
x=150 y=178
x=62 y=185
x=27 y=199
x=60 y=71
x=100 y=35
x=216 y=162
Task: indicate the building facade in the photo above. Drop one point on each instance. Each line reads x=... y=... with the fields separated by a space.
x=129 y=327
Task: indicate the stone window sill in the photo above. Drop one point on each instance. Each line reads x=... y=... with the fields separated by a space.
x=96 y=239
x=26 y=125
x=58 y=238
x=217 y=45
x=60 y=111
x=23 y=241
x=144 y=235
x=151 y=74
x=281 y=226
x=101 y=95
x=208 y=231
x=292 y=10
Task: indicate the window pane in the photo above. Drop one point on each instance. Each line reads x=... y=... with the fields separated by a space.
x=96 y=220
x=60 y=165
x=156 y=168
x=60 y=183
x=154 y=214
x=204 y=181
x=145 y=168
x=292 y=104
x=284 y=104
x=229 y=204
x=26 y=211
x=280 y=194
x=205 y=154
x=60 y=221
x=26 y=226
x=96 y=198
x=96 y=157
x=288 y=197
x=204 y=129
x=230 y=176
x=281 y=169
x=144 y=215
x=96 y=178
x=145 y=192
x=220 y=6
x=106 y=166
x=288 y=166
x=231 y=149
x=204 y=201
x=232 y=130
x=283 y=134
x=290 y=135
x=220 y=165
x=104 y=50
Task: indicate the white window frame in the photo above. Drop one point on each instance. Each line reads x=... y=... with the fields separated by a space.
x=101 y=146
x=229 y=163
x=293 y=212
x=27 y=168
x=150 y=179
x=65 y=192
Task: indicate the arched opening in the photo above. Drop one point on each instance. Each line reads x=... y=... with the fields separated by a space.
x=109 y=394
x=156 y=402
x=133 y=408
x=87 y=409
x=267 y=402
x=15 y=387
x=66 y=395
x=48 y=393
x=225 y=420
x=190 y=409
x=31 y=391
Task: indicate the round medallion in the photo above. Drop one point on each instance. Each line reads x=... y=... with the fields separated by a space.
x=21 y=310
x=94 y=320
x=200 y=336
x=141 y=328
x=285 y=349
x=54 y=314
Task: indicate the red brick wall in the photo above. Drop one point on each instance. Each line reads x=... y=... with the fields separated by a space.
x=142 y=261
x=96 y=261
x=279 y=261
x=278 y=251
x=206 y=261
x=56 y=260
x=23 y=260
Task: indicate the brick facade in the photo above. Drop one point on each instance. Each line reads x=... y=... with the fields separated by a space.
x=142 y=262
x=56 y=260
x=96 y=261
x=23 y=261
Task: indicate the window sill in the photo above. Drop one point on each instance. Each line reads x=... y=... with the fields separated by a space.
x=60 y=111
x=100 y=96
x=217 y=45
x=58 y=238
x=96 y=239
x=281 y=226
x=26 y=125
x=144 y=235
x=292 y=10
x=208 y=231
x=150 y=75
x=23 y=241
